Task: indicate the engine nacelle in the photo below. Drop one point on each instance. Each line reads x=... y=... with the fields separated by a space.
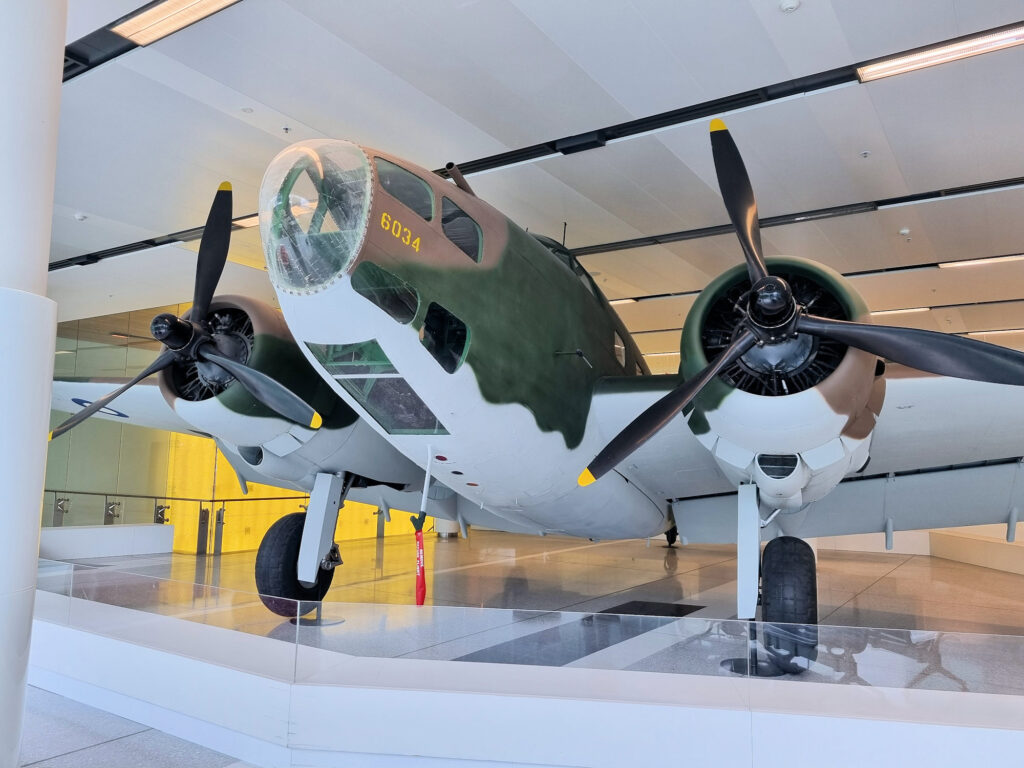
x=225 y=409
x=795 y=417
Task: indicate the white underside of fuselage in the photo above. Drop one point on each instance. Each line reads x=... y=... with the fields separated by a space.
x=495 y=457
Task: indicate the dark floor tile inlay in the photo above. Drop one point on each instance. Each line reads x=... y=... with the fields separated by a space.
x=560 y=645
x=648 y=608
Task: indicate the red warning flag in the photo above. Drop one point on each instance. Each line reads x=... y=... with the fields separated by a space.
x=421 y=575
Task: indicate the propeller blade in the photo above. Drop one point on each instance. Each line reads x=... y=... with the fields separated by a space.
x=213 y=252
x=648 y=423
x=738 y=196
x=929 y=351
x=271 y=393
x=165 y=359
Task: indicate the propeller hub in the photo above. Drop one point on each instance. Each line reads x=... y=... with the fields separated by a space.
x=174 y=332
x=771 y=303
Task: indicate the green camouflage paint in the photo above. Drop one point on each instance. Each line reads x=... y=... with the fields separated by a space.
x=523 y=313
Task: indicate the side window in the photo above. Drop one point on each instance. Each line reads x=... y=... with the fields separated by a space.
x=461 y=229
x=390 y=293
x=445 y=337
x=406 y=187
x=620 y=350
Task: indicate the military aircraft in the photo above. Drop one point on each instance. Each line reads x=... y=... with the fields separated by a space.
x=430 y=351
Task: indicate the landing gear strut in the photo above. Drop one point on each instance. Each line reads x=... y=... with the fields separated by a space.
x=788 y=588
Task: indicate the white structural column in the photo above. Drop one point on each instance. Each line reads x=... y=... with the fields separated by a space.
x=32 y=41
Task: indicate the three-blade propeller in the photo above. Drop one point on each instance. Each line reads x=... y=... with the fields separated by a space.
x=773 y=316
x=192 y=341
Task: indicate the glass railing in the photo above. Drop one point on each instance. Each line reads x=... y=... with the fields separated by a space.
x=178 y=616
x=203 y=526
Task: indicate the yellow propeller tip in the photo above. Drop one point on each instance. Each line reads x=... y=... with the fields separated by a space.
x=718 y=125
x=49 y=437
x=316 y=421
x=585 y=478
x=225 y=186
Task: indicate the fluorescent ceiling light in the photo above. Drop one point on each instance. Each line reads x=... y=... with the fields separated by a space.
x=976 y=262
x=911 y=311
x=661 y=354
x=996 y=333
x=162 y=19
x=942 y=53
x=617 y=302
x=248 y=221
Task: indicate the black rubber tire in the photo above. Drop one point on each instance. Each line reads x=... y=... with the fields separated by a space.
x=789 y=603
x=276 y=578
x=671 y=535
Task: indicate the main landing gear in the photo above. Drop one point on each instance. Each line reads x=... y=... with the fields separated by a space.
x=297 y=557
x=788 y=588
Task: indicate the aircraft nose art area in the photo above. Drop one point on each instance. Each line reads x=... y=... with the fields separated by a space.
x=314 y=208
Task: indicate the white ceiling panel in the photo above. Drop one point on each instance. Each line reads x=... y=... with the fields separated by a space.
x=949 y=125
x=529 y=90
x=150 y=278
x=145 y=139
x=874 y=29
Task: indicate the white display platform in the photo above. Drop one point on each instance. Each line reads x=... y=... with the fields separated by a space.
x=80 y=542
x=273 y=702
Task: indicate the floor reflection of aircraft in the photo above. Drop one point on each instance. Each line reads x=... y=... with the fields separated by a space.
x=429 y=350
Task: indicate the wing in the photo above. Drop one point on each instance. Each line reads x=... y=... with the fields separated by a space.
x=143 y=405
x=945 y=452
x=934 y=421
x=673 y=463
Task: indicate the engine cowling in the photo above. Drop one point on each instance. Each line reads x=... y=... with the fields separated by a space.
x=253 y=333
x=794 y=417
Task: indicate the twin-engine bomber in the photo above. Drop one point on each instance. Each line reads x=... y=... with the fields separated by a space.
x=430 y=350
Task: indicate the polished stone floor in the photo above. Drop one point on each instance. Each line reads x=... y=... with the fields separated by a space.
x=61 y=733
x=515 y=599
x=499 y=570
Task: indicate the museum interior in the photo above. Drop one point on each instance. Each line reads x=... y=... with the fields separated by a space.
x=513 y=383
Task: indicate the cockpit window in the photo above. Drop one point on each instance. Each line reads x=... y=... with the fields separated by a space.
x=390 y=293
x=620 y=350
x=406 y=187
x=461 y=229
x=445 y=336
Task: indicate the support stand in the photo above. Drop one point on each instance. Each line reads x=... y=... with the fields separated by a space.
x=753 y=664
x=317 y=620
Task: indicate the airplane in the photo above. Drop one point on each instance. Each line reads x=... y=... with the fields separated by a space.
x=430 y=351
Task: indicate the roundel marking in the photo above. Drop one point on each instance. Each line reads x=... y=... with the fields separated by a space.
x=81 y=401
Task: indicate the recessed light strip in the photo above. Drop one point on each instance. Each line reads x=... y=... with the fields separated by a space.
x=973 y=45
x=996 y=333
x=164 y=18
x=911 y=311
x=979 y=262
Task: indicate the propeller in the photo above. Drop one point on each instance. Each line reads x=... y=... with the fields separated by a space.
x=772 y=316
x=193 y=341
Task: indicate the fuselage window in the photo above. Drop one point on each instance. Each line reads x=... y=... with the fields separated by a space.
x=445 y=337
x=620 y=350
x=406 y=187
x=461 y=229
x=390 y=293
x=365 y=372
x=364 y=358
